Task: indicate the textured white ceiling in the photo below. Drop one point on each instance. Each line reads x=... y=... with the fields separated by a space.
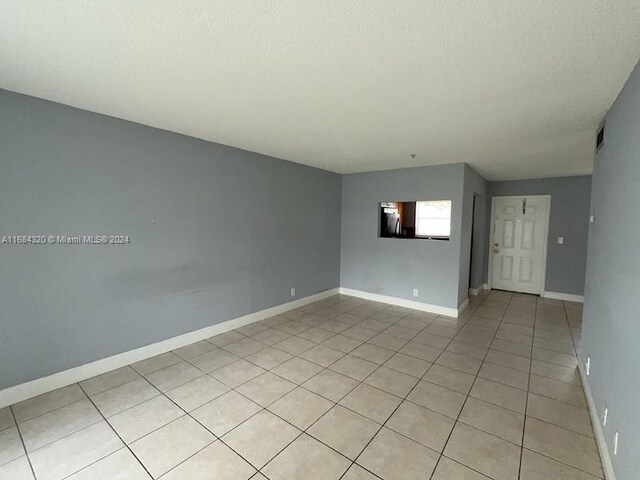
x=515 y=88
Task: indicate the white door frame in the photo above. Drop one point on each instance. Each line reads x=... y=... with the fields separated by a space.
x=546 y=236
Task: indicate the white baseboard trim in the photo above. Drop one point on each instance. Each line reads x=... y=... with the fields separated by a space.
x=30 y=389
x=401 y=302
x=605 y=457
x=568 y=297
x=477 y=291
x=463 y=306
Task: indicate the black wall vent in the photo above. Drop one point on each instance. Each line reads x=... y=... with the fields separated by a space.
x=600 y=138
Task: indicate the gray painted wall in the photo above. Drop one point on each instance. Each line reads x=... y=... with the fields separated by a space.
x=472 y=263
x=611 y=325
x=216 y=233
x=569 y=218
x=392 y=266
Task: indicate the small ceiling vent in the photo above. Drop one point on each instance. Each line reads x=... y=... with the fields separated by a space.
x=600 y=138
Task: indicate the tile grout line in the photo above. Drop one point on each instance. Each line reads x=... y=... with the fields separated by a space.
x=216 y=437
x=562 y=428
x=90 y=425
x=335 y=334
x=393 y=352
x=183 y=359
x=26 y=454
x=468 y=394
x=53 y=410
x=360 y=382
x=105 y=419
x=188 y=414
x=161 y=393
x=144 y=376
x=262 y=409
x=337 y=403
x=526 y=401
x=361 y=343
x=116 y=433
x=410 y=391
x=63 y=436
x=334 y=362
x=315 y=421
x=559 y=426
x=382 y=424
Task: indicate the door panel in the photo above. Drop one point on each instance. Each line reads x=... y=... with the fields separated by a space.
x=507 y=267
x=525 y=273
x=519 y=241
x=508 y=233
x=528 y=229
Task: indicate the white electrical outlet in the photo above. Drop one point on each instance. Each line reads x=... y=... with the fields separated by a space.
x=588 y=366
x=592 y=218
x=615 y=444
x=560 y=240
x=604 y=417
x=293 y=291
x=416 y=292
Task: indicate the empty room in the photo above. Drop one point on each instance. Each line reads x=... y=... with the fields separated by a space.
x=319 y=240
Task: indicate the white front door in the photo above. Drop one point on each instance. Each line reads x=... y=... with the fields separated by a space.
x=519 y=243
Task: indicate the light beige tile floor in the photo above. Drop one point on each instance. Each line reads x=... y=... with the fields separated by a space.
x=340 y=389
